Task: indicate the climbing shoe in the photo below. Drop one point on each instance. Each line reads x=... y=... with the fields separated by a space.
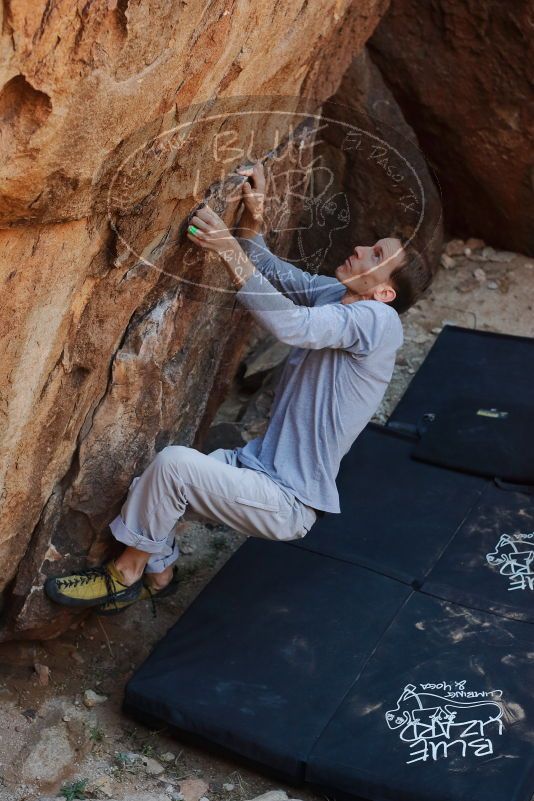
x=97 y=585
x=147 y=594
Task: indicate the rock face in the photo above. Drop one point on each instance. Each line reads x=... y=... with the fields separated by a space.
x=460 y=72
x=117 y=336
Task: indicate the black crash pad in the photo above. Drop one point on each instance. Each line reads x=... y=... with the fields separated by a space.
x=262 y=658
x=317 y=661
x=496 y=368
x=397 y=514
x=443 y=711
x=489 y=563
x=491 y=442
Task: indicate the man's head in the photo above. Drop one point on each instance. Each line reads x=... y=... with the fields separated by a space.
x=388 y=271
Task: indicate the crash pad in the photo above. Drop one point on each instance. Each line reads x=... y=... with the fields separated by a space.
x=397 y=515
x=264 y=655
x=443 y=711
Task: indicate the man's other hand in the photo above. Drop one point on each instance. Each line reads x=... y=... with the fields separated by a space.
x=212 y=233
x=253 y=190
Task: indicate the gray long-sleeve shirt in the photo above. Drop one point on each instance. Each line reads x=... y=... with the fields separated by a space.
x=334 y=377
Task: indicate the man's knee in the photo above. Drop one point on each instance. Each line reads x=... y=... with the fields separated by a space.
x=287 y=533
x=172 y=456
x=300 y=529
x=298 y=534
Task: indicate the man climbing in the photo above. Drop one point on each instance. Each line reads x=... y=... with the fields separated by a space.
x=344 y=332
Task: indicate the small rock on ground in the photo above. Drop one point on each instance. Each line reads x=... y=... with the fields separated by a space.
x=274 y=795
x=91 y=699
x=447 y=261
x=101 y=787
x=49 y=757
x=455 y=247
x=152 y=766
x=193 y=789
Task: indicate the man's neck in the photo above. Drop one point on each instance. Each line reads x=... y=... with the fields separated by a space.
x=351 y=297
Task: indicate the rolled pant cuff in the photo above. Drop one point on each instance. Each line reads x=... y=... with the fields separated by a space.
x=159 y=564
x=123 y=534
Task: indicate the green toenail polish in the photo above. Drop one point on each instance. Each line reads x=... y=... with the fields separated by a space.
x=192 y=229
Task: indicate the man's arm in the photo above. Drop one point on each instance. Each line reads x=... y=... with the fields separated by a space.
x=302 y=287
x=358 y=327
x=355 y=327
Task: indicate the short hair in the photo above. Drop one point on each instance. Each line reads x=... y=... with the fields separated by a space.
x=411 y=279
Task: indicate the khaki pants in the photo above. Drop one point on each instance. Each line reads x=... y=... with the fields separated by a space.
x=214 y=488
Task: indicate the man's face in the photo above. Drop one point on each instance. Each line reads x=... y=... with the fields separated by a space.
x=369 y=266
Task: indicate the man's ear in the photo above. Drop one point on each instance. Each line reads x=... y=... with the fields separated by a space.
x=384 y=293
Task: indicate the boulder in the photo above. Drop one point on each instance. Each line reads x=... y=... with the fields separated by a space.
x=268 y=356
x=118 y=335
x=459 y=71
x=223 y=435
x=373 y=180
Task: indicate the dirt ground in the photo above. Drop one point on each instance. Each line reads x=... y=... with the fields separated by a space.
x=50 y=739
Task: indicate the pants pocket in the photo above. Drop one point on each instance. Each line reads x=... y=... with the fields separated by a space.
x=266 y=506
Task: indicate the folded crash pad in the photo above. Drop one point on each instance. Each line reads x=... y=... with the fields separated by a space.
x=496 y=369
x=443 y=711
x=470 y=436
x=262 y=658
x=397 y=515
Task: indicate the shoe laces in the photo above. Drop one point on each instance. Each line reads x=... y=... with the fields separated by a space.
x=91 y=574
x=152 y=596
